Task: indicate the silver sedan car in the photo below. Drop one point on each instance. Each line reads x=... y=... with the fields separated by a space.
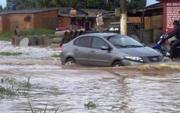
x=107 y=49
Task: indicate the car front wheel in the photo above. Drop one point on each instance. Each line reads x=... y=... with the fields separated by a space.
x=117 y=64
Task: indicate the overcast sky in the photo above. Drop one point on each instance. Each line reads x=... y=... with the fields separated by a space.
x=3 y=2
x=149 y=2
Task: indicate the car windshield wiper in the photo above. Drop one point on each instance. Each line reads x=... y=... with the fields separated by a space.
x=127 y=46
x=134 y=45
x=121 y=46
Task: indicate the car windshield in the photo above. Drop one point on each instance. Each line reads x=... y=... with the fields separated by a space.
x=124 y=41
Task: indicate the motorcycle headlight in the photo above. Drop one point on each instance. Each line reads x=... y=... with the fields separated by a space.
x=168 y=54
x=133 y=58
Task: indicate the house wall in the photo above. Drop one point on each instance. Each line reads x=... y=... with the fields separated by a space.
x=156 y=26
x=1 y=25
x=149 y=22
x=134 y=20
x=47 y=19
x=19 y=20
x=64 y=22
x=5 y=23
x=138 y=20
x=156 y=22
x=152 y=27
x=8 y=22
x=107 y=21
x=171 y=9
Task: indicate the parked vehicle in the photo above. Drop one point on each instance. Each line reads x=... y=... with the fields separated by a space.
x=132 y=28
x=163 y=49
x=114 y=27
x=107 y=49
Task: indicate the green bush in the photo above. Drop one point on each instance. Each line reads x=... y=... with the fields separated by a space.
x=10 y=53
x=37 y=32
x=7 y=36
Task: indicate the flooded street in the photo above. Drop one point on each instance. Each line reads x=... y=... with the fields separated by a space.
x=35 y=81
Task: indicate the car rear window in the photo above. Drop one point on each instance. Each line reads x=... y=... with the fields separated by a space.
x=83 y=42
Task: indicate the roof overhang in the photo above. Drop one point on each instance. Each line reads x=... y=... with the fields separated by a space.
x=28 y=11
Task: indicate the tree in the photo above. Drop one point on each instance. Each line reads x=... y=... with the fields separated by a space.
x=26 y=4
x=44 y=3
x=1 y=8
x=95 y=4
x=124 y=6
x=137 y=4
x=101 y=4
x=123 y=17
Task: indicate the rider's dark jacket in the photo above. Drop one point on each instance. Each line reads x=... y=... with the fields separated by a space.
x=175 y=32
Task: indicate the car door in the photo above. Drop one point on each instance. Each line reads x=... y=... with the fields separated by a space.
x=82 y=49
x=98 y=55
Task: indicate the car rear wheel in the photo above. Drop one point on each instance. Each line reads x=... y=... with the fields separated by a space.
x=70 y=61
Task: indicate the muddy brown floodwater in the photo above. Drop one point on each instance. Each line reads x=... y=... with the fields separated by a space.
x=42 y=84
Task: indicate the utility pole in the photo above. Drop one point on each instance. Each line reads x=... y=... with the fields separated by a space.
x=123 y=17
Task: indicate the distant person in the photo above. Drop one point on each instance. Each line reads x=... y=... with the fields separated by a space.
x=99 y=21
x=16 y=38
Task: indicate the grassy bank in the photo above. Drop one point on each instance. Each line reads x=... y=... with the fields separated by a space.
x=10 y=87
x=37 y=32
x=10 y=53
x=7 y=36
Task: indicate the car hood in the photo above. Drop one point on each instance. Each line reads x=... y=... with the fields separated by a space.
x=140 y=51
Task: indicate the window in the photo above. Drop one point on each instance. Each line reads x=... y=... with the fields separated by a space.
x=83 y=41
x=98 y=43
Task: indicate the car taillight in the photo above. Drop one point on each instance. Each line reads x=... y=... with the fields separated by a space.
x=61 y=49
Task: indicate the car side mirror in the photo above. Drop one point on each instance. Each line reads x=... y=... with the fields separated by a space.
x=105 y=48
x=144 y=44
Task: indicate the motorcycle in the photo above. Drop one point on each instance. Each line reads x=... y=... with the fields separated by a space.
x=160 y=46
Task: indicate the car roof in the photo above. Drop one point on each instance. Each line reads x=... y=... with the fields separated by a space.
x=100 y=34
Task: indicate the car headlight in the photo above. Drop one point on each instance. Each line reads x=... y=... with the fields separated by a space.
x=133 y=58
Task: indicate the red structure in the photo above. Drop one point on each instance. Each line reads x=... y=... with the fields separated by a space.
x=171 y=12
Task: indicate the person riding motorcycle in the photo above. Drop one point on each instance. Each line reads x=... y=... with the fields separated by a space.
x=175 y=32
